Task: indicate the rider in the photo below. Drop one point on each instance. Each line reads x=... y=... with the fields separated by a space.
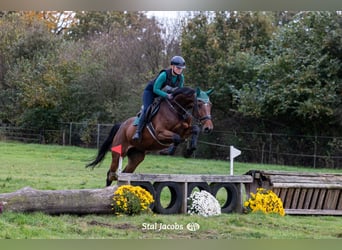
x=162 y=85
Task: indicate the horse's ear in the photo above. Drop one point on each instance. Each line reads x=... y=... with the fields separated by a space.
x=209 y=92
x=198 y=91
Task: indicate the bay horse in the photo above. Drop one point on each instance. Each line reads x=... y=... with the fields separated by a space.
x=175 y=121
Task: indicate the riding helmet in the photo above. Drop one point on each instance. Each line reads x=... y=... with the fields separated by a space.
x=178 y=61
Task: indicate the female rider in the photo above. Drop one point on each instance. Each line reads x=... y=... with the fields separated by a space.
x=162 y=85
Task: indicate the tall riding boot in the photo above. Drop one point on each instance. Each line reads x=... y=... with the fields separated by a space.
x=140 y=127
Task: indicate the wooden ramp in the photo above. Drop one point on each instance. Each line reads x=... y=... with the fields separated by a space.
x=302 y=193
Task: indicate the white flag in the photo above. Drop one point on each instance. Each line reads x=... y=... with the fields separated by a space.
x=234 y=152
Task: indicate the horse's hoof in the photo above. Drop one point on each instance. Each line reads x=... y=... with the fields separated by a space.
x=164 y=152
x=188 y=153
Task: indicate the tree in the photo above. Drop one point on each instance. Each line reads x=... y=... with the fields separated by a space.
x=223 y=50
x=56 y=21
x=47 y=79
x=300 y=83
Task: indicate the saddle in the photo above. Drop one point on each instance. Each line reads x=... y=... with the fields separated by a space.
x=151 y=111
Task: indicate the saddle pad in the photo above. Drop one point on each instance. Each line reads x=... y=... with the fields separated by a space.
x=151 y=111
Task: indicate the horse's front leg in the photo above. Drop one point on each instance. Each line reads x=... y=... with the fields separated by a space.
x=167 y=135
x=195 y=130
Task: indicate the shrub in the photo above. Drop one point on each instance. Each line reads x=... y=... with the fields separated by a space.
x=266 y=201
x=203 y=203
x=131 y=200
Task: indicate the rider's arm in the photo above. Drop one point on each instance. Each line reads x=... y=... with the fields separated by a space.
x=181 y=82
x=158 y=84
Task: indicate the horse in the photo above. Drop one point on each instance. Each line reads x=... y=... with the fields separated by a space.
x=175 y=121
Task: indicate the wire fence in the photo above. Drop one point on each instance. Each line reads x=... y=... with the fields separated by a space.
x=265 y=148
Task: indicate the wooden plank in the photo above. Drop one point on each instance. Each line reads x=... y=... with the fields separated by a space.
x=331 y=199
x=337 y=194
x=308 y=198
x=184 y=207
x=321 y=198
x=314 y=199
x=295 y=198
x=302 y=196
x=307 y=185
x=186 y=178
x=283 y=193
x=239 y=207
x=291 y=173
x=339 y=205
x=312 y=212
x=299 y=179
x=288 y=198
x=277 y=191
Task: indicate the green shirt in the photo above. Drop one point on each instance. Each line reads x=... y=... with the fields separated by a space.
x=158 y=84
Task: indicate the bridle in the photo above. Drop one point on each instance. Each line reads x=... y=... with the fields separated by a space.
x=205 y=117
x=187 y=114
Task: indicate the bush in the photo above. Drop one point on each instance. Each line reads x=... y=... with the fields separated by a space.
x=266 y=201
x=203 y=203
x=131 y=200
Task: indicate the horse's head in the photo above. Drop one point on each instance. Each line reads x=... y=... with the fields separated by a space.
x=204 y=109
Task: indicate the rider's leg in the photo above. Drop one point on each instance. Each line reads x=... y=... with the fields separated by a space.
x=148 y=97
x=140 y=126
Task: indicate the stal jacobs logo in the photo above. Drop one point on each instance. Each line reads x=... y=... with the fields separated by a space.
x=192 y=226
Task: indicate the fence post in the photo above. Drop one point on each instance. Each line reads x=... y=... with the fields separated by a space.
x=98 y=136
x=270 y=150
x=315 y=151
x=70 y=131
x=63 y=137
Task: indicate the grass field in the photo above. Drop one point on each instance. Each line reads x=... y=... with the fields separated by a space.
x=48 y=167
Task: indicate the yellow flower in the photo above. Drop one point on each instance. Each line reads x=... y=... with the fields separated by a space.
x=266 y=201
x=131 y=200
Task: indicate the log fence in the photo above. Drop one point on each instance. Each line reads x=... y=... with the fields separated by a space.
x=301 y=193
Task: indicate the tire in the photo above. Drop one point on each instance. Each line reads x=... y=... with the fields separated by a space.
x=148 y=187
x=200 y=185
x=232 y=195
x=176 y=198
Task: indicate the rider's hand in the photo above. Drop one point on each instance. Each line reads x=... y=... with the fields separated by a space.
x=169 y=96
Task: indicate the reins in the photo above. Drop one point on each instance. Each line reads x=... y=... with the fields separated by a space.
x=187 y=113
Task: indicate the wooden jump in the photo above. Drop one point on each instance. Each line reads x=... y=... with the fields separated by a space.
x=184 y=180
x=302 y=193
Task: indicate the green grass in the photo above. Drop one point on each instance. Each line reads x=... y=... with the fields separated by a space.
x=49 y=167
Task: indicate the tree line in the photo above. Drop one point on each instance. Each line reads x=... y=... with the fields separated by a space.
x=274 y=71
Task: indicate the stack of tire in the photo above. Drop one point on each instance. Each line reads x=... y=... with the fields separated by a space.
x=174 y=206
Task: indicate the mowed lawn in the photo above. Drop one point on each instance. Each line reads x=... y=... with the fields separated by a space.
x=51 y=167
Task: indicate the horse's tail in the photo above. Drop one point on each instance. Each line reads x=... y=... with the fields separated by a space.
x=105 y=147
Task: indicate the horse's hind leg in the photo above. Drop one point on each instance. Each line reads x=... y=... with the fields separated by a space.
x=135 y=157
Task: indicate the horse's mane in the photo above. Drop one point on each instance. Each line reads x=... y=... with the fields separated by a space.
x=185 y=91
